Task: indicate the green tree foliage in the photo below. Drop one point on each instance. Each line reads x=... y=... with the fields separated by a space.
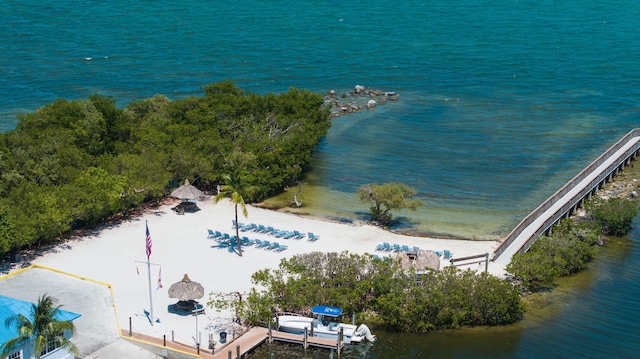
x=567 y=250
x=74 y=163
x=404 y=300
x=387 y=197
x=41 y=328
x=10 y=235
x=615 y=214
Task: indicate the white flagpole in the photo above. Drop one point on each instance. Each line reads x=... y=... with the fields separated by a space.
x=150 y=297
x=149 y=276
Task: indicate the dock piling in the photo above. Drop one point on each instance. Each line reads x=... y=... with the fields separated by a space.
x=305 y=342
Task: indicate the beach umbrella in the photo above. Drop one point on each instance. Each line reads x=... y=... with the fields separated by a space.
x=186 y=290
x=187 y=191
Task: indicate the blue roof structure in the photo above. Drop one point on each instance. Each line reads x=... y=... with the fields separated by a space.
x=325 y=310
x=11 y=306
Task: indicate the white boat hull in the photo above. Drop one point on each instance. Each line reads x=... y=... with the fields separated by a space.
x=296 y=325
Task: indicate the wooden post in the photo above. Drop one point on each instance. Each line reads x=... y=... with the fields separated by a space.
x=340 y=338
x=305 y=341
x=198 y=348
x=173 y=339
x=164 y=340
x=229 y=354
x=313 y=335
x=486 y=262
x=353 y=318
x=130 y=333
x=238 y=352
x=270 y=334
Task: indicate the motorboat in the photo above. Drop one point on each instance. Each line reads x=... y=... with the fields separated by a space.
x=324 y=325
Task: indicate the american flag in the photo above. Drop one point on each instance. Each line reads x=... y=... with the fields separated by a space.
x=148 y=242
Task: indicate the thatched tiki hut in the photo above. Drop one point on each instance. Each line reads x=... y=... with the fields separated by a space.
x=420 y=260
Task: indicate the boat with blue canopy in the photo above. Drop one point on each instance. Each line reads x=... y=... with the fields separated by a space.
x=324 y=324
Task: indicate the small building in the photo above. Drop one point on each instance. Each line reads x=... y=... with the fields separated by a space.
x=10 y=307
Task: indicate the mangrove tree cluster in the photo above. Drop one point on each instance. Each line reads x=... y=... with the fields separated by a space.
x=381 y=290
x=71 y=164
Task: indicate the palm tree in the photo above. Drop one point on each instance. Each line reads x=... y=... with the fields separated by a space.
x=234 y=188
x=43 y=331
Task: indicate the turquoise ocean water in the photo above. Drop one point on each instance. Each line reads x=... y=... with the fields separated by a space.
x=501 y=102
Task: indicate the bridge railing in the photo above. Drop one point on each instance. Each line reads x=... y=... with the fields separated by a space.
x=559 y=194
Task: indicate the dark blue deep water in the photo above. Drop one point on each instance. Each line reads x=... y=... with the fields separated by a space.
x=501 y=102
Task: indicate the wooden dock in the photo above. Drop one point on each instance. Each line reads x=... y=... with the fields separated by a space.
x=256 y=336
x=238 y=347
x=311 y=341
x=247 y=342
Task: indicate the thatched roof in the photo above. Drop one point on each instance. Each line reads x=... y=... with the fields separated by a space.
x=187 y=191
x=186 y=289
x=419 y=260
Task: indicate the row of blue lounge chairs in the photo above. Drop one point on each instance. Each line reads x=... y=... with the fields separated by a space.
x=270 y=246
x=232 y=239
x=386 y=247
x=228 y=240
x=278 y=233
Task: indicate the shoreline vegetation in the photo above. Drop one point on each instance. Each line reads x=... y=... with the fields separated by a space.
x=73 y=166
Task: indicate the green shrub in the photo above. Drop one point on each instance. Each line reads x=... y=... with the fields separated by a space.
x=614 y=214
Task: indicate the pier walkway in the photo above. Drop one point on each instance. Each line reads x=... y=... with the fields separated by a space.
x=236 y=348
x=567 y=199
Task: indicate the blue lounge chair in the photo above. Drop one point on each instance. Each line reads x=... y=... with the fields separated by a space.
x=254 y=227
x=379 y=247
x=405 y=248
x=397 y=248
x=212 y=234
x=416 y=249
x=276 y=247
x=282 y=247
x=298 y=235
x=259 y=243
x=289 y=235
x=271 y=230
x=280 y=234
x=266 y=245
x=235 y=224
x=447 y=254
x=246 y=227
x=246 y=241
x=313 y=237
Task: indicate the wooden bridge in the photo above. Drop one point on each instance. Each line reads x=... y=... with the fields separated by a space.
x=570 y=197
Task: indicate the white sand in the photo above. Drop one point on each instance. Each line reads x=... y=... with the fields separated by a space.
x=180 y=245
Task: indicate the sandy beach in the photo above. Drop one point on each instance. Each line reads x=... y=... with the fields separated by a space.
x=180 y=245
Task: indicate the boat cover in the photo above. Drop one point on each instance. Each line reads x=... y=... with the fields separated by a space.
x=325 y=310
